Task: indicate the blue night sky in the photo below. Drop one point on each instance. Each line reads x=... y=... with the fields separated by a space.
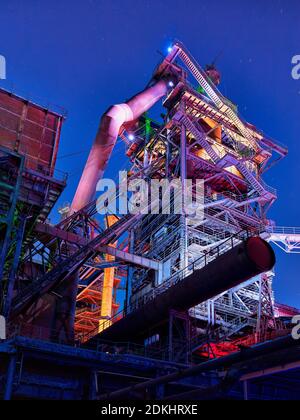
x=87 y=54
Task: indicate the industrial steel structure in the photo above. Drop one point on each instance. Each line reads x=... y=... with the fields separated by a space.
x=130 y=296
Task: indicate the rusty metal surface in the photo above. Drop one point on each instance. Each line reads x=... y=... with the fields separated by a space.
x=31 y=130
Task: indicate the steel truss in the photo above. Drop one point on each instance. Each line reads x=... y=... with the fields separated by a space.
x=203 y=138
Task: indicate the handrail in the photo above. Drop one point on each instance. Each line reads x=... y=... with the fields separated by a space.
x=104 y=346
x=212 y=91
x=174 y=279
x=57 y=174
x=283 y=230
x=201 y=262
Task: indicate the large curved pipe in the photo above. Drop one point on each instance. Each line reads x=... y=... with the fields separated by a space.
x=106 y=138
x=248 y=259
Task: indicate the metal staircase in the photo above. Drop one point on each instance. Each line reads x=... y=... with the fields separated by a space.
x=212 y=91
x=70 y=265
x=250 y=178
x=199 y=136
x=221 y=334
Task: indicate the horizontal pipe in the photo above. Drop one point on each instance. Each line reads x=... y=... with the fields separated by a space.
x=246 y=260
x=271 y=371
x=243 y=355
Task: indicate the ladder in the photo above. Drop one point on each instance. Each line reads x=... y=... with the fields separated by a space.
x=250 y=178
x=212 y=91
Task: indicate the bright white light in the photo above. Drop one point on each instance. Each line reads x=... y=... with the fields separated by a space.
x=170 y=49
x=171 y=84
x=131 y=137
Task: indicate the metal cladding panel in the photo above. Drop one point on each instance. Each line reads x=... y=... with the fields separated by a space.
x=230 y=269
x=31 y=130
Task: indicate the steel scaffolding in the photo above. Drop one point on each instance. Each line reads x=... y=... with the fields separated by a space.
x=98 y=273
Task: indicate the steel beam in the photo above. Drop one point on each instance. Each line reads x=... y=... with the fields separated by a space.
x=73 y=238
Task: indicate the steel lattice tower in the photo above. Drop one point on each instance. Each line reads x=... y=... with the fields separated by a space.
x=203 y=138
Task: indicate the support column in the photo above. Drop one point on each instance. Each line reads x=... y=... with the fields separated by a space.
x=108 y=284
x=183 y=175
x=93 y=386
x=171 y=336
x=14 y=191
x=12 y=274
x=10 y=377
x=160 y=392
x=246 y=390
x=130 y=274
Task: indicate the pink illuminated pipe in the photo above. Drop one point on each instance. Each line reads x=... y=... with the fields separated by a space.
x=106 y=138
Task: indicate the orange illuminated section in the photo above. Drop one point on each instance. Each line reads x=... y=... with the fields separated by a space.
x=215 y=129
x=108 y=286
